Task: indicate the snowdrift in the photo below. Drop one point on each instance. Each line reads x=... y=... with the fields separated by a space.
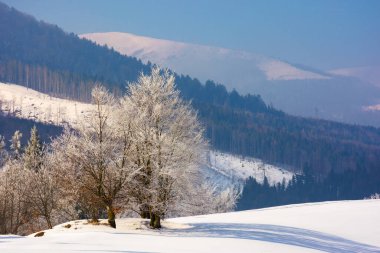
x=342 y=226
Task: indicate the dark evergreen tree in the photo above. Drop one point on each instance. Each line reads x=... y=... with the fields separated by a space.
x=33 y=157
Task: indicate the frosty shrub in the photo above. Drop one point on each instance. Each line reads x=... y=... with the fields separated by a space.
x=374 y=196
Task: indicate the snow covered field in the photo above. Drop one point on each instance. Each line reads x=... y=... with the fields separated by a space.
x=30 y=104
x=342 y=226
x=240 y=168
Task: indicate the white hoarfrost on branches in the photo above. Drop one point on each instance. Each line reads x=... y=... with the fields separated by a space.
x=14 y=212
x=29 y=196
x=96 y=158
x=168 y=145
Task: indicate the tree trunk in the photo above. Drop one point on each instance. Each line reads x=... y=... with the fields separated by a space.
x=155 y=221
x=48 y=221
x=144 y=212
x=94 y=214
x=145 y=215
x=111 y=216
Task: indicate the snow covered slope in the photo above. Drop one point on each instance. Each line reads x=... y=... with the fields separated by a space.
x=370 y=74
x=295 y=89
x=223 y=169
x=30 y=104
x=342 y=226
x=200 y=61
x=226 y=169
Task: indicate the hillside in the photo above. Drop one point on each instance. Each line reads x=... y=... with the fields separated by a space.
x=333 y=95
x=204 y=62
x=345 y=226
x=47 y=59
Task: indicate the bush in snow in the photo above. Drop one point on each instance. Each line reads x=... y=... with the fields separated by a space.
x=374 y=196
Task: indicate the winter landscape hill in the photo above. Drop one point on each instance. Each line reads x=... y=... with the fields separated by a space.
x=344 y=95
x=115 y=142
x=339 y=227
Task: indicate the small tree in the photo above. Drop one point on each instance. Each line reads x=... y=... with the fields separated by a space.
x=16 y=145
x=3 y=152
x=14 y=211
x=44 y=194
x=97 y=157
x=34 y=152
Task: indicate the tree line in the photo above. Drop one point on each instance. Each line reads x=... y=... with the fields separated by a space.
x=305 y=188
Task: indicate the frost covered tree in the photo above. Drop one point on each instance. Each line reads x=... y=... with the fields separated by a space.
x=42 y=198
x=44 y=195
x=96 y=157
x=211 y=198
x=16 y=145
x=3 y=152
x=27 y=190
x=167 y=144
x=14 y=211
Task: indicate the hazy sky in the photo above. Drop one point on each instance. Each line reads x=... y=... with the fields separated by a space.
x=323 y=34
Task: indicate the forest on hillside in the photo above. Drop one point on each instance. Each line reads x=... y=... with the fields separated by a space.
x=306 y=188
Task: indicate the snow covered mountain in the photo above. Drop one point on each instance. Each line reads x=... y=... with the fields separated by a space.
x=235 y=69
x=370 y=74
x=300 y=90
x=222 y=169
x=342 y=226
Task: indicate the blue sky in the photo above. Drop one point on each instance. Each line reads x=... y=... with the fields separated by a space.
x=324 y=34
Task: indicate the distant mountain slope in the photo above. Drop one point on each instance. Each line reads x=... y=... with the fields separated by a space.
x=295 y=89
x=370 y=74
x=219 y=64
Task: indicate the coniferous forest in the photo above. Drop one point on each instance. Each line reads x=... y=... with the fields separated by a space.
x=304 y=188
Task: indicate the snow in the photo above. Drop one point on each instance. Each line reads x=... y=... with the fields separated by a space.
x=277 y=70
x=370 y=74
x=233 y=169
x=234 y=68
x=342 y=226
x=30 y=104
x=371 y=108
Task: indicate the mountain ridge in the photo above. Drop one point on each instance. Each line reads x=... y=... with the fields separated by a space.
x=161 y=51
x=294 y=88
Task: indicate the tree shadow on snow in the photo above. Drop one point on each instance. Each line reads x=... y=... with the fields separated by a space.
x=279 y=234
x=8 y=238
x=117 y=251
